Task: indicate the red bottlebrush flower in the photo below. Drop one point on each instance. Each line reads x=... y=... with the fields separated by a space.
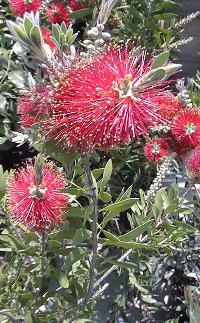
x=19 y=7
x=57 y=13
x=175 y=146
x=75 y=5
x=106 y=102
x=169 y=106
x=186 y=128
x=46 y=34
x=25 y=107
x=156 y=149
x=38 y=204
x=31 y=109
x=193 y=162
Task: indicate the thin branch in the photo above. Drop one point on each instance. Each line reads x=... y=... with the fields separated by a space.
x=97 y=288
x=43 y=251
x=43 y=238
x=92 y=271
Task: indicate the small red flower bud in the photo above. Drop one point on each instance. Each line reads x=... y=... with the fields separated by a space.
x=156 y=149
x=186 y=128
x=58 y=13
x=75 y=5
x=193 y=162
x=46 y=34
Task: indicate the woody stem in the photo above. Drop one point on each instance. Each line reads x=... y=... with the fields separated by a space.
x=93 y=195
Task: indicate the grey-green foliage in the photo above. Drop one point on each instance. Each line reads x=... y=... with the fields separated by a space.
x=63 y=36
x=27 y=32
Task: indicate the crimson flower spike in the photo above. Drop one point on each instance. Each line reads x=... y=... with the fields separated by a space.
x=35 y=195
x=110 y=100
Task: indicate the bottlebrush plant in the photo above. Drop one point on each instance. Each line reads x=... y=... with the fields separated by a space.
x=91 y=208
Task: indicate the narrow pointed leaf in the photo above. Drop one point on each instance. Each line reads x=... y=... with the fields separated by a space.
x=160 y=60
x=106 y=174
x=135 y=233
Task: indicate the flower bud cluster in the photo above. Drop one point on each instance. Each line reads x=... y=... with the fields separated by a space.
x=157 y=182
x=97 y=38
x=183 y=93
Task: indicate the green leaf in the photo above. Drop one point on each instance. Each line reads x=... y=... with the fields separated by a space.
x=62 y=40
x=18 y=49
x=133 y=234
x=53 y=245
x=115 y=241
x=56 y=152
x=97 y=172
x=25 y=298
x=153 y=76
x=126 y=195
x=171 y=68
x=79 y=14
x=172 y=192
x=28 y=318
x=186 y=227
x=185 y=210
x=30 y=236
x=159 y=199
x=120 y=264
x=63 y=251
x=160 y=60
x=128 y=245
x=166 y=16
x=133 y=281
x=63 y=281
x=69 y=33
x=3 y=181
x=74 y=212
x=20 y=35
x=106 y=174
x=167 y=6
x=170 y=209
x=115 y=208
x=17 y=32
x=111 y=237
x=81 y=234
x=55 y=31
x=72 y=39
x=28 y=26
x=36 y=36
x=12 y=241
x=120 y=206
x=135 y=52
x=18 y=78
x=156 y=212
x=104 y=197
x=77 y=254
x=77 y=191
x=64 y=28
